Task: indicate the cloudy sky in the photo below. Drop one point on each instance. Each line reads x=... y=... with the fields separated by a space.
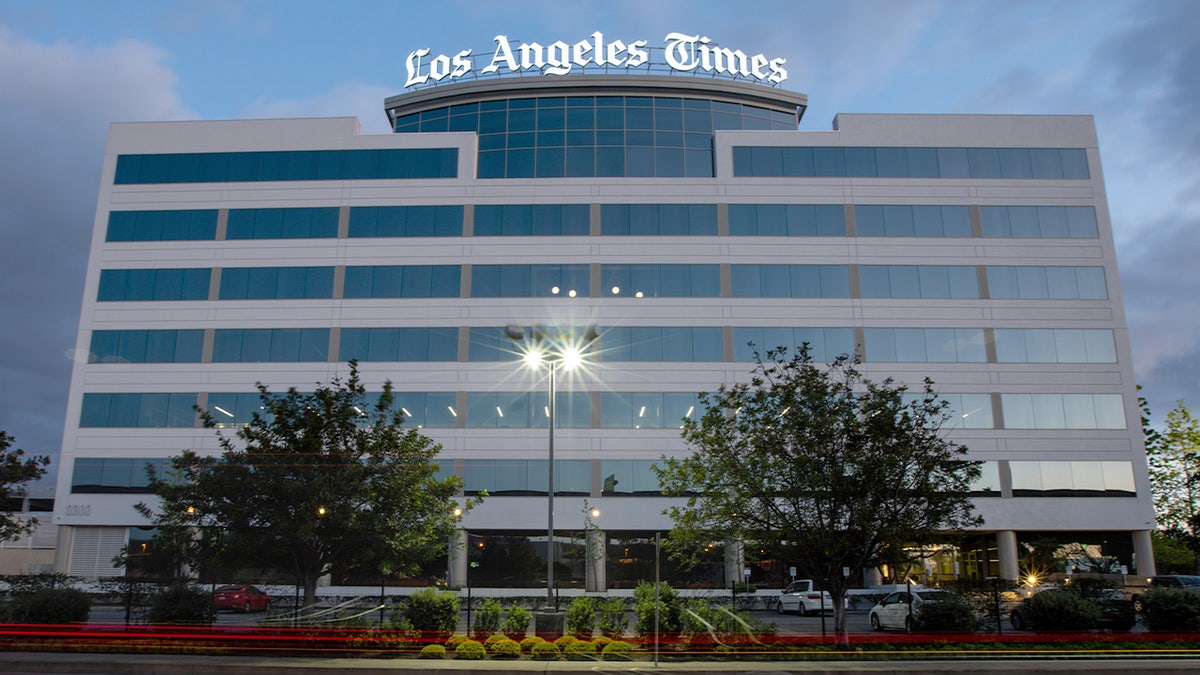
x=69 y=68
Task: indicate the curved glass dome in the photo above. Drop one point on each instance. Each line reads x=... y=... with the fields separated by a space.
x=538 y=132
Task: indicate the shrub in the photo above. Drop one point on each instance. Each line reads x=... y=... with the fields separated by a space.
x=602 y=641
x=50 y=605
x=1171 y=609
x=469 y=650
x=580 y=650
x=492 y=639
x=544 y=651
x=430 y=610
x=949 y=614
x=1061 y=610
x=612 y=616
x=516 y=622
x=581 y=617
x=528 y=643
x=181 y=604
x=617 y=650
x=454 y=641
x=506 y=649
x=564 y=640
x=487 y=618
x=668 y=609
x=432 y=652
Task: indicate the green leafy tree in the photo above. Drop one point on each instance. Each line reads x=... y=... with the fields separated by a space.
x=16 y=469
x=819 y=466
x=1173 y=455
x=315 y=480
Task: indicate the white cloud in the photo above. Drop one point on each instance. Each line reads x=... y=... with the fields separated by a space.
x=58 y=101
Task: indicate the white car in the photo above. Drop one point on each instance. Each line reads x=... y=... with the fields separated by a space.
x=900 y=609
x=801 y=596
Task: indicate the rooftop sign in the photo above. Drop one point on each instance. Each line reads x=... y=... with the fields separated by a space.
x=680 y=53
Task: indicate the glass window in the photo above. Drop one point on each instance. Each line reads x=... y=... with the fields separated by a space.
x=824 y=344
x=137 y=410
x=297 y=223
x=162 y=284
x=795 y=281
x=629 y=477
x=248 y=345
x=918 y=281
x=1071 y=478
x=1057 y=345
x=276 y=283
x=647 y=410
x=650 y=280
x=653 y=343
x=898 y=162
x=1063 y=411
x=493 y=220
x=1072 y=222
x=287 y=166
x=527 y=281
x=399 y=344
x=406 y=221
x=115 y=475
x=198 y=225
x=403 y=281
x=146 y=346
x=1060 y=283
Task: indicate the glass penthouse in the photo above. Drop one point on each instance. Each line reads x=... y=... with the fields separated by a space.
x=682 y=218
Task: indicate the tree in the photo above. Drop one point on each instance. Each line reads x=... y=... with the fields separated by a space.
x=15 y=471
x=1173 y=456
x=821 y=467
x=315 y=480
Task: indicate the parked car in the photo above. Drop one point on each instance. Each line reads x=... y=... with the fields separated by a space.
x=240 y=598
x=1116 y=611
x=802 y=596
x=1186 y=582
x=901 y=609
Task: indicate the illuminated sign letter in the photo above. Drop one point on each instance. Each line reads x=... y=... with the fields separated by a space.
x=681 y=51
x=637 y=54
x=503 y=55
x=558 y=59
x=413 y=66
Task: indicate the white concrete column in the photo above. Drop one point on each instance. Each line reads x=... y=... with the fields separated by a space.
x=872 y=577
x=735 y=554
x=456 y=572
x=596 y=565
x=1006 y=548
x=1143 y=553
x=62 y=549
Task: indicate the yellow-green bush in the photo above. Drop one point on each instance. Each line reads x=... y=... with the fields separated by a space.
x=544 y=651
x=470 y=650
x=617 y=650
x=506 y=649
x=580 y=650
x=432 y=652
x=528 y=643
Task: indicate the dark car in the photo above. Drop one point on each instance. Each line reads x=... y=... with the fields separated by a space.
x=241 y=598
x=1116 y=611
x=1186 y=582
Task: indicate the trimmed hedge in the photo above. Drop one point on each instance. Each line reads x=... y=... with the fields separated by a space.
x=470 y=650
x=1171 y=609
x=544 y=651
x=617 y=650
x=432 y=652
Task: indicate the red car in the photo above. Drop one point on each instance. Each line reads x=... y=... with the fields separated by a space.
x=241 y=598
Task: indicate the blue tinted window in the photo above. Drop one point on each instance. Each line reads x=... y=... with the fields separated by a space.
x=493 y=220
x=523 y=410
x=650 y=280
x=403 y=281
x=406 y=221
x=653 y=343
x=648 y=410
x=276 y=283
x=790 y=281
x=162 y=284
x=525 y=477
x=1074 y=222
x=1033 y=283
x=399 y=344
x=306 y=223
x=116 y=475
x=920 y=345
x=918 y=281
x=824 y=344
x=527 y=281
x=897 y=162
x=197 y=225
x=912 y=221
x=235 y=409
x=1055 y=345
x=249 y=345
x=792 y=220
x=287 y=166
x=146 y=346
x=138 y=410
x=658 y=219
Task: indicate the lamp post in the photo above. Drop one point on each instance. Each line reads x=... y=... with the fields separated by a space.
x=567 y=356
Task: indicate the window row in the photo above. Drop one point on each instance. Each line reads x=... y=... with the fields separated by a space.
x=614 y=344
x=510 y=477
x=232 y=167
x=616 y=410
x=899 y=162
x=492 y=220
x=616 y=280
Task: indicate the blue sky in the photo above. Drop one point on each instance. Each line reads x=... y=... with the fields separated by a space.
x=70 y=67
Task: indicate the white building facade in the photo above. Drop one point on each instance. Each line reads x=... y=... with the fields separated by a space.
x=679 y=217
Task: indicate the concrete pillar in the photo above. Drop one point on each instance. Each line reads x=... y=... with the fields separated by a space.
x=735 y=554
x=872 y=577
x=62 y=549
x=1006 y=547
x=596 y=565
x=1143 y=554
x=456 y=572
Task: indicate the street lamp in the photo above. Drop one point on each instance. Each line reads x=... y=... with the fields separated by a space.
x=566 y=356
